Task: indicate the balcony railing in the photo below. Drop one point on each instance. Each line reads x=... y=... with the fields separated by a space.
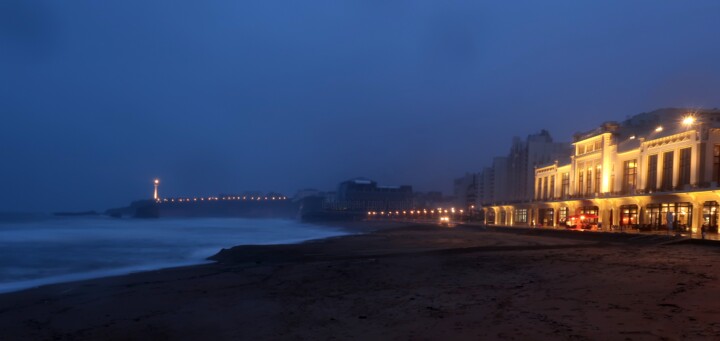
x=683 y=188
x=631 y=192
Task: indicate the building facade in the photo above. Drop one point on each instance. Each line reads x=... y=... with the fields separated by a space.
x=525 y=155
x=486 y=187
x=362 y=195
x=465 y=190
x=510 y=178
x=655 y=170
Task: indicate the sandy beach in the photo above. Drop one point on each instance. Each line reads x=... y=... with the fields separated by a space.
x=410 y=282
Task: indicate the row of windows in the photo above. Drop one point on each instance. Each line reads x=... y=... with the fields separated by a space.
x=629 y=182
x=589 y=147
x=629 y=179
x=586 y=183
x=589 y=180
x=546 y=187
x=546 y=216
x=676 y=213
x=667 y=170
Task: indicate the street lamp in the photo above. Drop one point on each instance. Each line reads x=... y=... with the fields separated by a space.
x=688 y=120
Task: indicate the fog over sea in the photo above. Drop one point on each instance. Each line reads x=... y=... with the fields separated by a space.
x=47 y=250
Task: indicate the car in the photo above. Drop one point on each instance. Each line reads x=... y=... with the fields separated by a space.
x=445 y=221
x=582 y=222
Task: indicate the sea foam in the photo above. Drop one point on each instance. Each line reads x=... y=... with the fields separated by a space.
x=35 y=253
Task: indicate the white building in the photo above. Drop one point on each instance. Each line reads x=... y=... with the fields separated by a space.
x=651 y=171
x=510 y=178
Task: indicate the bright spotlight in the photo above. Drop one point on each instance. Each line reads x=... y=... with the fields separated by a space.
x=688 y=120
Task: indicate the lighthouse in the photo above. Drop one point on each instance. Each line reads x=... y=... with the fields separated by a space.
x=156 y=183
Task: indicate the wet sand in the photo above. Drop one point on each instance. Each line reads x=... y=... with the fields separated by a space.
x=413 y=282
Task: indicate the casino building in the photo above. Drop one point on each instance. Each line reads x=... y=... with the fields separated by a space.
x=650 y=171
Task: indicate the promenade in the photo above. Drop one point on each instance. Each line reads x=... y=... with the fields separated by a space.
x=667 y=233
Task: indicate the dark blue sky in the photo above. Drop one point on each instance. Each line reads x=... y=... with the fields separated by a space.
x=97 y=98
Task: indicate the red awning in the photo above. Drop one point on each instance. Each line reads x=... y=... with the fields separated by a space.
x=583 y=216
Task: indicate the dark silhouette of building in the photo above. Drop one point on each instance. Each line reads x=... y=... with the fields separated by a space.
x=361 y=194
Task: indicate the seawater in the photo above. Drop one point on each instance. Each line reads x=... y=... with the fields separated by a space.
x=34 y=253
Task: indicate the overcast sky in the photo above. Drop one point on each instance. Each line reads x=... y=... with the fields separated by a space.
x=99 y=97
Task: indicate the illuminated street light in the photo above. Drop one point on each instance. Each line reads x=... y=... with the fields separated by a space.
x=688 y=120
x=659 y=129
